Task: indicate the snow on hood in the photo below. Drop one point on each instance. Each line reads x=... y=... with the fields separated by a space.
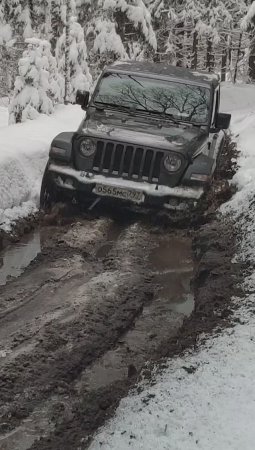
x=144 y=131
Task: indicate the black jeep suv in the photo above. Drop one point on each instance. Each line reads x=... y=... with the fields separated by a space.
x=151 y=135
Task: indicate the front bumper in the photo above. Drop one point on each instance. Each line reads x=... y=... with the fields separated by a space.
x=73 y=180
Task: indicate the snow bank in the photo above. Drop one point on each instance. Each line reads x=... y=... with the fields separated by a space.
x=23 y=156
x=3 y=116
x=241 y=102
x=214 y=407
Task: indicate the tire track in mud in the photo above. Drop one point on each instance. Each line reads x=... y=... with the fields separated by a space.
x=99 y=388
x=87 y=333
x=106 y=298
x=96 y=307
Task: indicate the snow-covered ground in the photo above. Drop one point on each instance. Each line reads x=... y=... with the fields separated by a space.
x=214 y=407
x=3 y=116
x=23 y=155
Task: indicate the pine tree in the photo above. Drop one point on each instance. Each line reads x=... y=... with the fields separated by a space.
x=19 y=12
x=133 y=20
x=80 y=77
x=58 y=19
x=14 y=13
x=248 y=24
x=32 y=92
x=56 y=81
x=40 y=11
x=107 y=42
x=6 y=51
x=5 y=27
x=193 y=21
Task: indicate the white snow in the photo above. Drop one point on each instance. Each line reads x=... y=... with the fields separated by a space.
x=137 y=13
x=80 y=77
x=3 y=116
x=107 y=39
x=23 y=156
x=241 y=102
x=249 y=18
x=214 y=407
x=39 y=86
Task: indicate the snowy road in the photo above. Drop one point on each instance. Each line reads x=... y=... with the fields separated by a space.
x=107 y=295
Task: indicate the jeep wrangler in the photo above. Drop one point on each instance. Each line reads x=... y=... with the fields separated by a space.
x=152 y=135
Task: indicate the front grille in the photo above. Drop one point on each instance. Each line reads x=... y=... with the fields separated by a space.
x=127 y=161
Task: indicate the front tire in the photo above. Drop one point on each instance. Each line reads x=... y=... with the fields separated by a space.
x=49 y=194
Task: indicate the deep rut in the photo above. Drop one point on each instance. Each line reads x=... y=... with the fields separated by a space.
x=78 y=325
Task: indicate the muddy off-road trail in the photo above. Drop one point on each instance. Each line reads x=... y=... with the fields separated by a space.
x=89 y=303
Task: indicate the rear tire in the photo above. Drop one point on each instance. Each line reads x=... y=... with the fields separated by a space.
x=49 y=194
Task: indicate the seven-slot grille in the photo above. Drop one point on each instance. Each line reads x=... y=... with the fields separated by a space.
x=127 y=161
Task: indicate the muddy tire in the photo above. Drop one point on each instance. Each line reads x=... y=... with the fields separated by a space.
x=49 y=194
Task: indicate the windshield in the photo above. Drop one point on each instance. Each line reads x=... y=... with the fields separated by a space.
x=184 y=102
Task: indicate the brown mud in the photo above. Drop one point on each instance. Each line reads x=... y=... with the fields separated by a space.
x=102 y=298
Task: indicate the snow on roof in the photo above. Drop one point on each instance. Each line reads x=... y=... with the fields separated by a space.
x=208 y=76
x=165 y=70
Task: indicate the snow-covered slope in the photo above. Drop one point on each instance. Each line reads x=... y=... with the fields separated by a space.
x=23 y=155
x=240 y=101
x=214 y=407
x=3 y=116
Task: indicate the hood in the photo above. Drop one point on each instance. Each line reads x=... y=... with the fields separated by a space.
x=146 y=131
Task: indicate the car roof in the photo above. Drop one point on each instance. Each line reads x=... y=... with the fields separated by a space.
x=164 y=71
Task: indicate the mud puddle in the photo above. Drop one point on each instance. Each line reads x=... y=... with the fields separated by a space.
x=112 y=236
x=15 y=258
x=24 y=436
x=172 y=267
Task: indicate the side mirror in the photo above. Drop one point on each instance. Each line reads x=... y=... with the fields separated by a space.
x=223 y=121
x=82 y=99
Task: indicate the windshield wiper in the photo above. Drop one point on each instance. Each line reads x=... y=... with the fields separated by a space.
x=172 y=118
x=162 y=115
x=132 y=109
x=102 y=106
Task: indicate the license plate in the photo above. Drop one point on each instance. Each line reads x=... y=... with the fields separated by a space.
x=122 y=193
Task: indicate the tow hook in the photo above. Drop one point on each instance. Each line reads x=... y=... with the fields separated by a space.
x=92 y=206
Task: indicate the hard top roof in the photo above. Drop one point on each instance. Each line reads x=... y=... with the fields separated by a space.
x=164 y=70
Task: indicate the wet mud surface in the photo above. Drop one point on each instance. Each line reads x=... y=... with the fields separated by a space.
x=89 y=303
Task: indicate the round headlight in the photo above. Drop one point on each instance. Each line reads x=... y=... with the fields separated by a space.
x=87 y=147
x=172 y=163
